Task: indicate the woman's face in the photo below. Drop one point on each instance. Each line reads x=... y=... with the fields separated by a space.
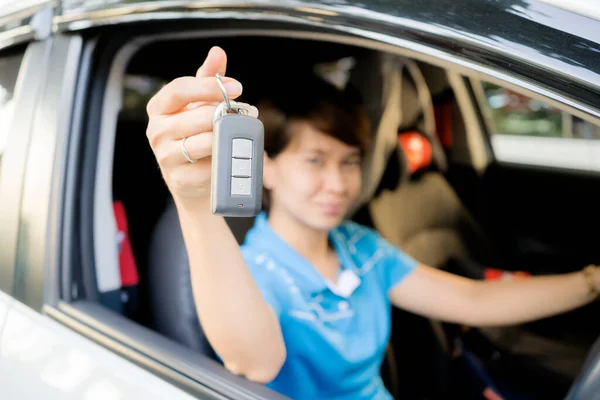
x=315 y=179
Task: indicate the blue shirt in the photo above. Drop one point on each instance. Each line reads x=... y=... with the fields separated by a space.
x=335 y=341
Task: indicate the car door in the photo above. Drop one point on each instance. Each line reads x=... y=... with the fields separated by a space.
x=18 y=90
x=408 y=25
x=40 y=357
x=10 y=65
x=539 y=197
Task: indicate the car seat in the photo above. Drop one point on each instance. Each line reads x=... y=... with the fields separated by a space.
x=415 y=207
x=417 y=210
x=422 y=365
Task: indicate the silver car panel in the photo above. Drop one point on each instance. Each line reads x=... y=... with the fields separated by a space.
x=25 y=20
x=47 y=146
x=43 y=359
x=14 y=158
x=5 y=303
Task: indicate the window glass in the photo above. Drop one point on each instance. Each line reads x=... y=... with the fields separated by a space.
x=585 y=130
x=137 y=92
x=529 y=131
x=514 y=114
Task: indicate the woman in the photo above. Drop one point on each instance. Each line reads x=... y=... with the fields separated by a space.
x=305 y=304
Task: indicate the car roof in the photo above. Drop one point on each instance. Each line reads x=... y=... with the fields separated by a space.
x=466 y=14
x=452 y=12
x=532 y=39
x=587 y=8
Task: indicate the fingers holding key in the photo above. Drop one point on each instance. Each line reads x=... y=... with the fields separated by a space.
x=195 y=147
x=181 y=122
x=180 y=92
x=184 y=130
x=204 y=87
x=189 y=122
x=215 y=63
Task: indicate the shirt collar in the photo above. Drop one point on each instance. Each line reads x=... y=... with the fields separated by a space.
x=306 y=276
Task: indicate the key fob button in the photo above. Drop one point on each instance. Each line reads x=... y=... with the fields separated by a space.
x=242 y=148
x=241 y=186
x=241 y=168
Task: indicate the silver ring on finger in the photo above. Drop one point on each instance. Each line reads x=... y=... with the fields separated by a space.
x=184 y=151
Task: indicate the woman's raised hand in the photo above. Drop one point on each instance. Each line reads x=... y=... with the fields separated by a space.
x=181 y=117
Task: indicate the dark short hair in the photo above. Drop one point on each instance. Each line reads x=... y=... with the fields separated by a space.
x=338 y=113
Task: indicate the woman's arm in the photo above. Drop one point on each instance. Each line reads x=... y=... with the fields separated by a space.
x=444 y=296
x=239 y=324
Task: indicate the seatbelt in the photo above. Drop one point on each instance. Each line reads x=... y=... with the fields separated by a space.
x=385 y=142
x=386 y=135
x=429 y=123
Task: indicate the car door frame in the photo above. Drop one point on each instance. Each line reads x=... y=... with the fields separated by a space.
x=151 y=351
x=46 y=228
x=44 y=212
x=21 y=27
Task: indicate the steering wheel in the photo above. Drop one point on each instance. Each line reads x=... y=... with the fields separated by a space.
x=587 y=384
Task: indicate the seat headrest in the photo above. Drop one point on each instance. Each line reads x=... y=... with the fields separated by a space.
x=417 y=150
x=404 y=103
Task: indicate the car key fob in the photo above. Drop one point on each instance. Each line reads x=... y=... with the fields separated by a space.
x=237 y=161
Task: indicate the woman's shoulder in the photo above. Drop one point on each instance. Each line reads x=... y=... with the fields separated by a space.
x=366 y=243
x=370 y=251
x=362 y=243
x=353 y=232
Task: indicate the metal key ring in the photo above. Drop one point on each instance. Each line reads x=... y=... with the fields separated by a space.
x=236 y=108
x=219 y=76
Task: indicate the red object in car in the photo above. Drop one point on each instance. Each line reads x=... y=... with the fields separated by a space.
x=490 y=394
x=127 y=265
x=492 y=274
x=417 y=149
x=443 y=118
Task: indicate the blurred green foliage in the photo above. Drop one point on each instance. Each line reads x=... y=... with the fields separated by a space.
x=515 y=114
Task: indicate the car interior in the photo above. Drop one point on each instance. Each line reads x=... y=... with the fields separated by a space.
x=431 y=186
